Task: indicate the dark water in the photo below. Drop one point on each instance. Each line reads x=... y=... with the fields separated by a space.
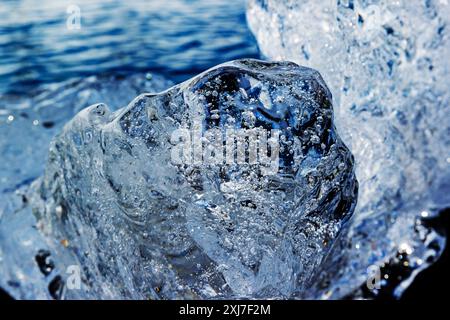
x=177 y=38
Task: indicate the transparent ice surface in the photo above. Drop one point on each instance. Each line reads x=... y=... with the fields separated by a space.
x=27 y=125
x=387 y=65
x=138 y=224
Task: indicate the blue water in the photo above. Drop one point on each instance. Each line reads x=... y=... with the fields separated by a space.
x=176 y=38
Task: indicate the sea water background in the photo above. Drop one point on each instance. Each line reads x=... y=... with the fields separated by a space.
x=177 y=38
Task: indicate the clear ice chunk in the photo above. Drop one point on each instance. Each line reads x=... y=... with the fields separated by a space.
x=232 y=184
x=387 y=66
x=27 y=126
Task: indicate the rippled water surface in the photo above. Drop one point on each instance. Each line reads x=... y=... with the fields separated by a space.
x=177 y=38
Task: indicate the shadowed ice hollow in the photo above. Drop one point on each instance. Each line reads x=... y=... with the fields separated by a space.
x=387 y=65
x=232 y=184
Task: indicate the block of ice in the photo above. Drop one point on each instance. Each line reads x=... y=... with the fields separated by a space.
x=27 y=125
x=387 y=66
x=232 y=184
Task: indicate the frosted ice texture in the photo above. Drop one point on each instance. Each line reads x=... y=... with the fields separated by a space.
x=387 y=65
